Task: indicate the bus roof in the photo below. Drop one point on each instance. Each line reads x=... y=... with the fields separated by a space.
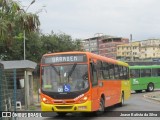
x=106 y=59
x=144 y=67
x=92 y=55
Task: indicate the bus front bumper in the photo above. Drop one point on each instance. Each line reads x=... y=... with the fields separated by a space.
x=83 y=107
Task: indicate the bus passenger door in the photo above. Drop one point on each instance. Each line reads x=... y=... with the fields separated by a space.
x=94 y=93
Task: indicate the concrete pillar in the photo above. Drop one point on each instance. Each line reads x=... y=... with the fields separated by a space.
x=28 y=89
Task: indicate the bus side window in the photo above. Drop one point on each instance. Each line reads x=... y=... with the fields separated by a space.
x=111 y=71
x=121 y=72
x=125 y=72
x=93 y=74
x=145 y=72
x=105 y=71
x=158 y=71
x=148 y=72
x=142 y=73
x=155 y=72
x=117 y=73
x=135 y=73
x=99 y=70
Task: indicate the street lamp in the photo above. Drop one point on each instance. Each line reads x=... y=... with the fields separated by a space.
x=24 y=35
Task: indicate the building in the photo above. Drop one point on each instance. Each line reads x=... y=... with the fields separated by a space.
x=146 y=50
x=108 y=45
x=129 y=52
x=150 y=50
x=104 y=45
x=91 y=44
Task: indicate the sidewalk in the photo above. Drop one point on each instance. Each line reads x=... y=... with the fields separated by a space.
x=153 y=96
x=33 y=107
x=36 y=105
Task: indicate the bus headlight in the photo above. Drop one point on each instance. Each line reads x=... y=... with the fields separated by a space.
x=45 y=100
x=83 y=99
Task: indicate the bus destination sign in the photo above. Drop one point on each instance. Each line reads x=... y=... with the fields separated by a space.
x=65 y=58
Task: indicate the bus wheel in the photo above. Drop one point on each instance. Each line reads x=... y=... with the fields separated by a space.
x=150 y=87
x=61 y=114
x=122 y=100
x=101 y=107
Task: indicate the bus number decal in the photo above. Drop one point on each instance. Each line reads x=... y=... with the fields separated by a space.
x=60 y=89
x=135 y=81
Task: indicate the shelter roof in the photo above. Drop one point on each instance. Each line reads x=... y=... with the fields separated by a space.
x=19 y=64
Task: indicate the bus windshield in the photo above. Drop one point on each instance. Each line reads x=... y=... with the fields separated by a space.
x=65 y=78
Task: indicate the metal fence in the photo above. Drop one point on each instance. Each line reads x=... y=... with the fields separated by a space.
x=5 y=100
x=11 y=89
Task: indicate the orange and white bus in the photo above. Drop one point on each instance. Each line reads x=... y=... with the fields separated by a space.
x=82 y=82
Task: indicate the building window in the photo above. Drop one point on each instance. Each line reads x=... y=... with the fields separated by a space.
x=145 y=55
x=153 y=54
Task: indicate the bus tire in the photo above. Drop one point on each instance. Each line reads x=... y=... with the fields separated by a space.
x=101 y=107
x=61 y=114
x=150 y=87
x=122 y=100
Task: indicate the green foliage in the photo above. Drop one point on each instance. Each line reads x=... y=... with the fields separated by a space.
x=13 y=17
x=59 y=43
x=36 y=45
x=13 y=21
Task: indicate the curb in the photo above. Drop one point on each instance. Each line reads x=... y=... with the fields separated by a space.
x=148 y=96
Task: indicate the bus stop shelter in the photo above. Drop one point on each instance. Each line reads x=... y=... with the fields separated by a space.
x=19 y=78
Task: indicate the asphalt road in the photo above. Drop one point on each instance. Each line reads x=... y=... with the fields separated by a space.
x=137 y=104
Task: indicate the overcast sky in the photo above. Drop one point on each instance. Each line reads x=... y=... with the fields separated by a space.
x=84 y=18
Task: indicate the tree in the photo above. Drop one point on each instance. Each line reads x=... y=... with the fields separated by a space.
x=38 y=44
x=13 y=17
x=34 y=50
x=59 y=43
x=15 y=51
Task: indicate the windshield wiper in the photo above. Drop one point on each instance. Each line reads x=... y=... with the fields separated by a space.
x=72 y=69
x=58 y=72
x=55 y=69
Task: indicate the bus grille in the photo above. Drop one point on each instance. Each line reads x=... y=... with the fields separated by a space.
x=66 y=102
x=64 y=107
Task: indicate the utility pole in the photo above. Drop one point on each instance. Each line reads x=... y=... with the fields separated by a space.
x=24 y=44
x=26 y=82
x=24 y=35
